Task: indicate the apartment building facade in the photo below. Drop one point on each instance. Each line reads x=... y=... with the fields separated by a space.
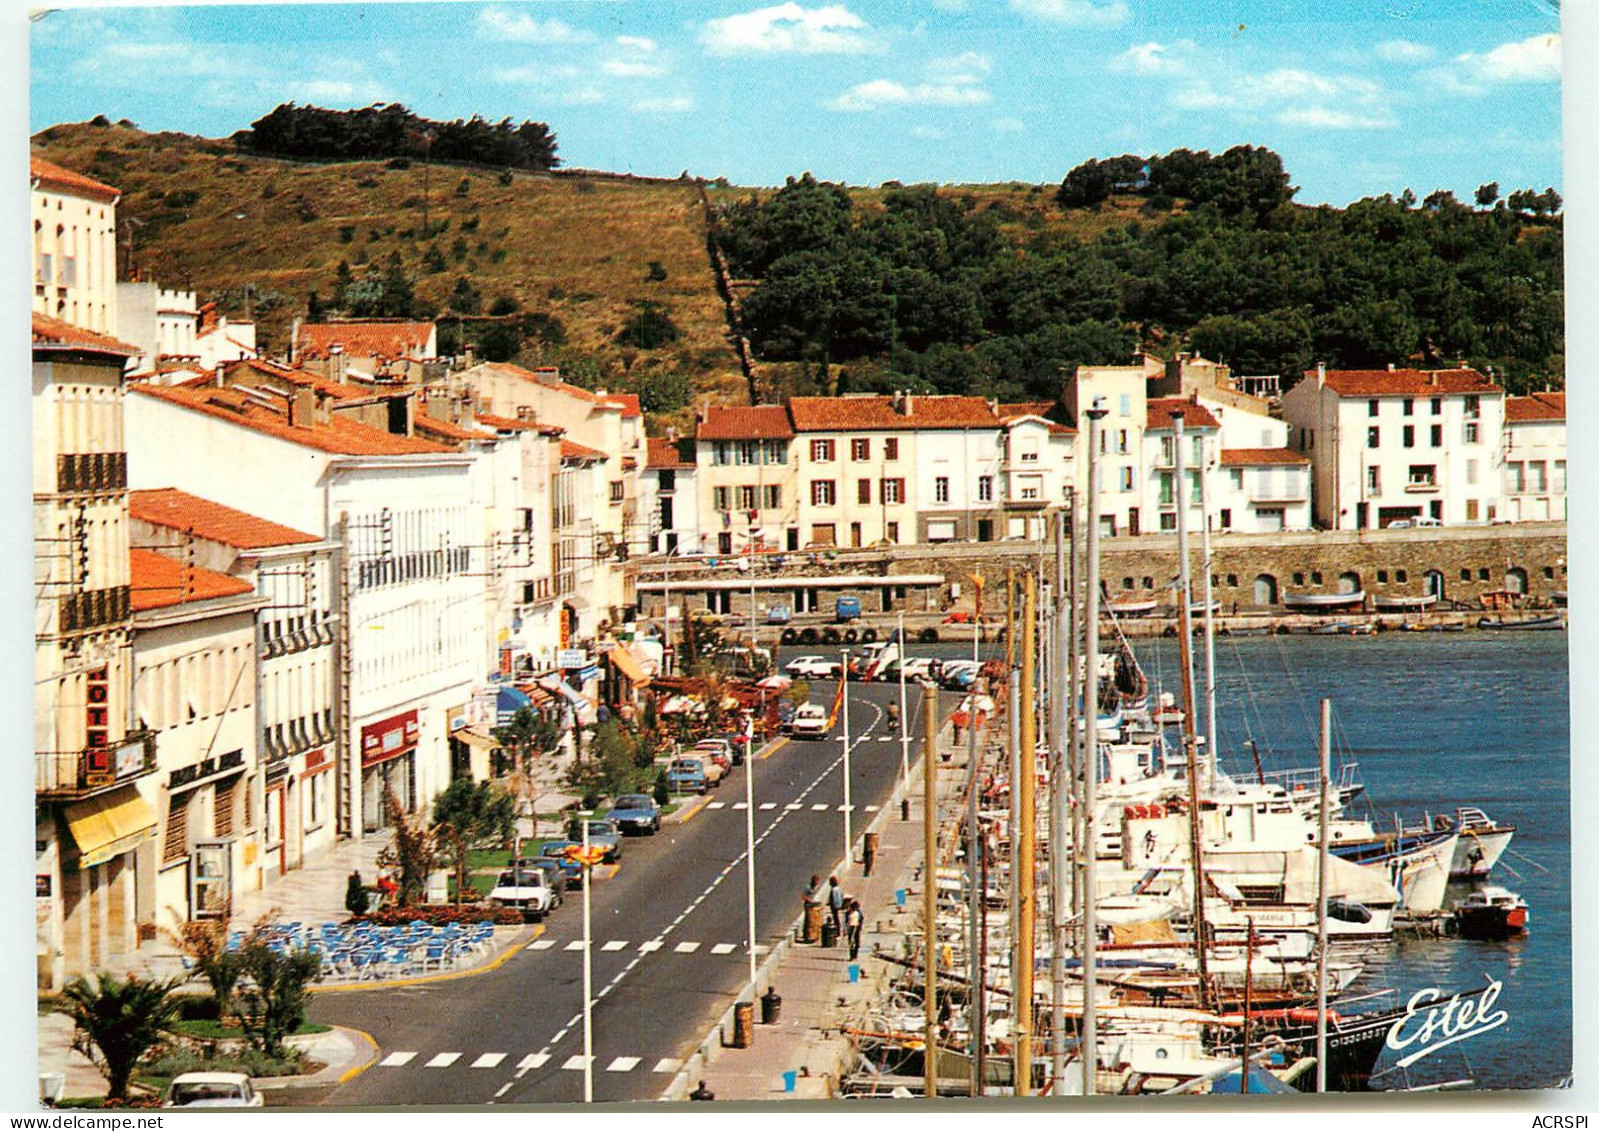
x=748 y=490
x=1535 y=457
x=74 y=247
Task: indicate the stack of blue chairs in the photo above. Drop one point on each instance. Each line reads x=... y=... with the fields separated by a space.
x=363 y=951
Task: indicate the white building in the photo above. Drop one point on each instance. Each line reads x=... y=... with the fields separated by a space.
x=1400 y=444
x=1260 y=490
x=1121 y=391
x=1201 y=453
x=294 y=645
x=1535 y=457
x=669 y=495
x=410 y=594
x=221 y=339
x=746 y=471
x=160 y=321
x=1037 y=453
x=74 y=247
x=195 y=682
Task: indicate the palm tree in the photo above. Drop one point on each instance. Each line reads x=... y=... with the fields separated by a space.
x=204 y=942
x=472 y=815
x=117 y=1022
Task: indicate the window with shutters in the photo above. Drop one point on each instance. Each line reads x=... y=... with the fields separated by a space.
x=863 y=491
x=249 y=804
x=176 y=844
x=860 y=449
x=223 y=819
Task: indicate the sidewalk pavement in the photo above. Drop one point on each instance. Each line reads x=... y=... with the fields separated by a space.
x=818 y=998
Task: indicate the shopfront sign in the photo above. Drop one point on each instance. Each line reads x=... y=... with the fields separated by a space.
x=391 y=738
x=571 y=658
x=199 y=772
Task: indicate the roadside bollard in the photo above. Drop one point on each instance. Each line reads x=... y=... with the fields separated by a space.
x=905 y=809
x=868 y=853
x=829 y=933
x=743 y=1025
x=702 y=1093
x=811 y=929
x=771 y=1006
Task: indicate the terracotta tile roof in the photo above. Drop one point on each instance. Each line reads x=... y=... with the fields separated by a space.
x=630 y=406
x=1405 y=382
x=1539 y=406
x=760 y=422
x=338 y=435
x=167 y=506
x=877 y=414
x=50 y=175
x=512 y=424
x=549 y=377
x=1050 y=411
x=1159 y=411
x=160 y=583
x=54 y=334
x=433 y=426
x=363 y=338
x=1261 y=457
x=629 y=463
x=664 y=453
x=569 y=450
x=241 y=370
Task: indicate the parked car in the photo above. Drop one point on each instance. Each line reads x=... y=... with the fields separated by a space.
x=958 y=675
x=211 y=1089
x=527 y=890
x=553 y=855
x=687 y=775
x=812 y=667
x=779 y=614
x=785 y=716
x=604 y=833
x=637 y=813
x=847 y=608
x=810 y=721
x=720 y=751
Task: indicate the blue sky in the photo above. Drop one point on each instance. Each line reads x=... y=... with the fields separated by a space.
x=1359 y=97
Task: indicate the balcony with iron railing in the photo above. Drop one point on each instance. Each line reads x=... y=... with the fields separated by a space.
x=65 y=775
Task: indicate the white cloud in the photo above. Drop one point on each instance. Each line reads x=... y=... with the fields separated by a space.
x=534 y=75
x=1320 y=117
x=1531 y=60
x=1074 y=13
x=335 y=90
x=1155 y=58
x=636 y=43
x=1403 y=51
x=1008 y=126
x=580 y=96
x=673 y=104
x=878 y=93
x=928 y=133
x=964 y=69
x=634 y=69
x=518 y=27
x=786 y=29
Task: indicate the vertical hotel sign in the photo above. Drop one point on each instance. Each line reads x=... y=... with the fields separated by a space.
x=389 y=739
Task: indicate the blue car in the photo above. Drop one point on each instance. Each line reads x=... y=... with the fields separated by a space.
x=637 y=813
x=687 y=775
x=553 y=854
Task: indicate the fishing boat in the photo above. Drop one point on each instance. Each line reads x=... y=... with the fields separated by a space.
x=1322 y=601
x=1554 y=622
x=1482 y=842
x=1442 y=626
x=1491 y=913
x=1131 y=608
x=1399 y=603
x=1416 y=860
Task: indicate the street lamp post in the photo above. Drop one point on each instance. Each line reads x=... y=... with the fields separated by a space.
x=749 y=835
x=588 y=973
x=844 y=675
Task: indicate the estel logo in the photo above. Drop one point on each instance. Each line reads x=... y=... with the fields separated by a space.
x=1439 y=1023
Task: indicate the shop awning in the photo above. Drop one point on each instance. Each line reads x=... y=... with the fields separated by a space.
x=625 y=662
x=105 y=827
x=508 y=702
x=476 y=739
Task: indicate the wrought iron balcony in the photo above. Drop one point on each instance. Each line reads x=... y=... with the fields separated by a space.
x=73 y=774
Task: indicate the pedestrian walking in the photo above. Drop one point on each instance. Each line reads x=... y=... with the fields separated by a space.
x=853 y=920
x=835 y=902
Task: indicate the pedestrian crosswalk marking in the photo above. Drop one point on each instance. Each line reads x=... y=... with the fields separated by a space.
x=686 y=947
x=615 y=944
x=575 y=944
x=819 y=808
x=870 y=808
x=667 y=1064
x=488 y=1060
x=541 y=944
x=885 y=738
x=723 y=948
x=717 y=805
x=574 y=1063
x=739 y=805
x=842 y=808
x=443 y=1060
x=646 y=948
x=765 y=805
x=794 y=805
x=533 y=1060
x=623 y=1064
x=397 y=1059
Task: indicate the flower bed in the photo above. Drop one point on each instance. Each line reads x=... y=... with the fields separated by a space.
x=439 y=915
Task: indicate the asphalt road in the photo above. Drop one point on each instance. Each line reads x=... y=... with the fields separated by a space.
x=669 y=933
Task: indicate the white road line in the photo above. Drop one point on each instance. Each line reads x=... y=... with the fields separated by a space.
x=766 y=805
x=506 y=1087
x=870 y=808
x=739 y=805
x=574 y=1063
x=723 y=948
x=667 y=1064
x=575 y=944
x=533 y=1060
x=819 y=808
x=792 y=805
x=541 y=944
x=885 y=738
x=397 y=1059
x=652 y=945
x=623 y=1064
x=840 y=809
x=615 y=944
x=717 y=805
x=443 y=1060
x=686 y=947
x=555 y=1040
x=488 y=1060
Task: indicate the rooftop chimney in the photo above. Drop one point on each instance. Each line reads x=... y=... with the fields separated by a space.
x=302 y=406
x=1390 y=367
x=1321 y=373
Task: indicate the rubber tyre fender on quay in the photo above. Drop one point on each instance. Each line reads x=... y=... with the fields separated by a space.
x=788 y=636
x=851 y=636
x=868 y=636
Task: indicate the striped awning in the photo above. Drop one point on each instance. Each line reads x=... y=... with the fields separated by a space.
x=625 y=662
x=105 y=827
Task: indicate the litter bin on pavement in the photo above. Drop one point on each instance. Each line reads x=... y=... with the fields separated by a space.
x=868 y=853
x=811 y=930
x=771 y=1006
x=829 y=933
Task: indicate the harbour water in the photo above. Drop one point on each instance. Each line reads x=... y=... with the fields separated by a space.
x=1434 y=721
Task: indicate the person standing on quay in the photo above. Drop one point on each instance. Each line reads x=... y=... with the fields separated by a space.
x=853 y=920
x=835 y=902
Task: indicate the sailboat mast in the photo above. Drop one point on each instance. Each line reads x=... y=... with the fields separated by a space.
x=1322 y=863
x=1025 y=862
x=1210 y=635
x=1185 y=630
x=1088 y=1045
x=1059 y=685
